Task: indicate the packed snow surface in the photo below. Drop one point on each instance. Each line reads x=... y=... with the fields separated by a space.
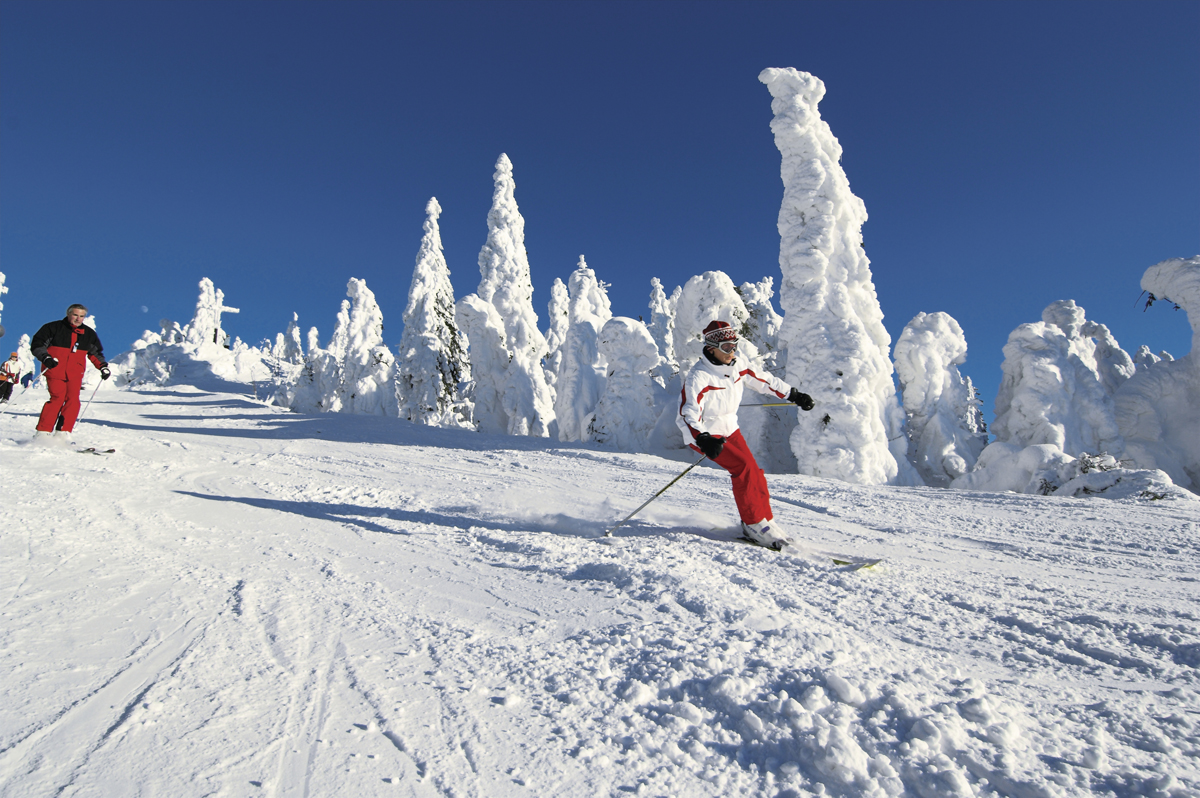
x=247 y=601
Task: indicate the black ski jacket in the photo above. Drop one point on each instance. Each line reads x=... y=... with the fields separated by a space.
x=59 y=336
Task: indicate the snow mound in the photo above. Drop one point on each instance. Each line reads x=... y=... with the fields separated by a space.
x=1045 y=469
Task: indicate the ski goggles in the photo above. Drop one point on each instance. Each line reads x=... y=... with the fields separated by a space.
x=729 y=347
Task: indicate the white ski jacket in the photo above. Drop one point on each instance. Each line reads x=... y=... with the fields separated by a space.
x=712 y=393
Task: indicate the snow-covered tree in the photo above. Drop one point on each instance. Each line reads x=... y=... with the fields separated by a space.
x=433 y=361
x=3 y=291
x=1053 y=391
x=205 y=328
x=320 y=387
x=764 y=323
x=25 y=355
x=368 y=368
x=1157 y=409
x=630 y=404
x=837 y=347
x=506 y=284
x=559 y=315
x=662 y=320
x=941 y=407
x=490 y=360
x=581 y=376
x=171 y=333
x=288 y=347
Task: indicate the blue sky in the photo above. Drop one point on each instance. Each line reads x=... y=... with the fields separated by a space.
x=1009 y=154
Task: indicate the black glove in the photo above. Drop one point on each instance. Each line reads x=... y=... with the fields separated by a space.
x=49 y=363
x=104 y=372
x=802 y=399
x=711 y=445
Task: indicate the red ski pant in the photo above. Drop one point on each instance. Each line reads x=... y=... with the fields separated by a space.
x=749 y=482
x=64 y=384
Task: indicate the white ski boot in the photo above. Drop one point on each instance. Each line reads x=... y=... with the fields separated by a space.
x=767 y=533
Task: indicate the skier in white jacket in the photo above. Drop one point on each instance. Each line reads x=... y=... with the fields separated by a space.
x=712 y=392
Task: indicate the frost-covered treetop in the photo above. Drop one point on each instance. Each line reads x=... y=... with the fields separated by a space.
x=589 y=296
x=431 y=273
x=503 y=253
x=504 y=267
x=795 y=97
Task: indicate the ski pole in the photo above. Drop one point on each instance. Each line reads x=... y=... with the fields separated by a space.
x=89 y=401
x=608 y=534
x=770 y=404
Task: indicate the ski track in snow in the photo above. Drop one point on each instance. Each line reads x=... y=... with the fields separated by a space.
x=244 y=601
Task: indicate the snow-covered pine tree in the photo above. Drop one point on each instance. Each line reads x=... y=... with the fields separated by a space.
x=559 y=320
x=662 y=322
x=320 y=387
x=837 y=347
x=764 y=323
x=433 y=361
x=25 y=356
x=581 y=376
x=490 y=360
x=288 y=347
x=630 y=404
x=505 y=283
x=368 y=368
x=941 y=407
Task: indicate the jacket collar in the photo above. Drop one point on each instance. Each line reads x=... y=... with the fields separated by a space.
x=729 y=371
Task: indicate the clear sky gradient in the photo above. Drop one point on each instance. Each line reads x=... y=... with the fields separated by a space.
x=1009 y=154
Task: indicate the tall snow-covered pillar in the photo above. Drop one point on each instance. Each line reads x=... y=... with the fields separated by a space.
x=505 y=283
x=837 y=347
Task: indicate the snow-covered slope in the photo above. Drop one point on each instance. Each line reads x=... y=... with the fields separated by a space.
x=245 y=601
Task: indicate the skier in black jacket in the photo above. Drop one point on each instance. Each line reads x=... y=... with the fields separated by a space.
x=64 y=347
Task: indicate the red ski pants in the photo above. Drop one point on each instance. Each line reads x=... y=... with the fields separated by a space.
x=64 y=384
x=749 y=483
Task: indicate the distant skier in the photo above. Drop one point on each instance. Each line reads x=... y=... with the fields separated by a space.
x=10 y=372
x=64 y=347
x=712 y=392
